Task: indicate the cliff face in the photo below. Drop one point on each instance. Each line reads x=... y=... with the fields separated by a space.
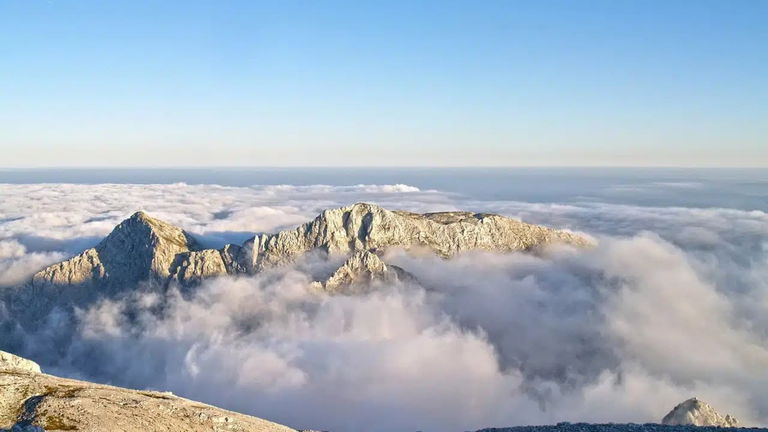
x=30 y=400
x=147 y=252
x=372 y=228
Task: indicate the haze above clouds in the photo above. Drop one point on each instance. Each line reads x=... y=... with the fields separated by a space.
x=671 y=304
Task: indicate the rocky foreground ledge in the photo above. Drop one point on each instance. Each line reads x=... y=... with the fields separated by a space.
x=31 y=401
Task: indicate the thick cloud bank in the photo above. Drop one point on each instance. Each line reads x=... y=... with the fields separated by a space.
x=672 y=303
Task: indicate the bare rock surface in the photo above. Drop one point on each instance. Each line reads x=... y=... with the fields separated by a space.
x=361 y=268
x=370 y=227
x=696 y=412
x=10 y=361
x=30 y=400
x=144 y=251
x=140 y=249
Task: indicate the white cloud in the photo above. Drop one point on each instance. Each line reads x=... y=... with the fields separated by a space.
x=671 y=304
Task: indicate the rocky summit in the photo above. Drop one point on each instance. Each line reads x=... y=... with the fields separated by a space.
x=144 y=251
x=697 y=413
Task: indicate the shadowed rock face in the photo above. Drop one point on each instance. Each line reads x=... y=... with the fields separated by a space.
x=697 y=413
x=151 y=253
x=30 y=400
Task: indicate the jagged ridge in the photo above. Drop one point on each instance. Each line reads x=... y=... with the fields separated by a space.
x=144 y=250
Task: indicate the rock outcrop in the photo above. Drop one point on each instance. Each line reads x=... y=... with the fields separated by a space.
x=697 y=413
x=30 y=400
x=10 y=361
x=360 y=269
x=143 y=251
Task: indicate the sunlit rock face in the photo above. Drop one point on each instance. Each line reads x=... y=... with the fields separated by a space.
x=697 y=413
x=31 y=401
x=144 y=252
x=358 y=271
x=13 y=362
x=140 y=250
x=370 y=227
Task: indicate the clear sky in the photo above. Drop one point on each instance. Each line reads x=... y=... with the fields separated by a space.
x=371 y=83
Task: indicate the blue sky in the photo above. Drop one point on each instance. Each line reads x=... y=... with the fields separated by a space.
x=375 y=83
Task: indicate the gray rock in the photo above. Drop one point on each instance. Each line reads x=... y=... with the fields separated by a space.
x=149 y=253
x=370 y=227
x=358 y=270
x=140 y=250
x=697 y=413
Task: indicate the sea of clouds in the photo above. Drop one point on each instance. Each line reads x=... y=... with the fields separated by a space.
x=672 y=303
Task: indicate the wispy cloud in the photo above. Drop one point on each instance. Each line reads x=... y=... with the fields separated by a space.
x=671 y=303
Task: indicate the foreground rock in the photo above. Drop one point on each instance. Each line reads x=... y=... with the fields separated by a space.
x=30 y=400
x=697 y=413
x=147 y=252
x=13 y=362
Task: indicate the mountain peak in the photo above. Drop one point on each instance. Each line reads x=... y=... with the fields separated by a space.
x=143 y=217
x=139 y=249
x=141 y=230
x=148 y=251
x=697 y=413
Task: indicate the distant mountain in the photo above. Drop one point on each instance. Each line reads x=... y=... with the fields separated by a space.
x=692 y=415
x=144 y=251
x=698 y=413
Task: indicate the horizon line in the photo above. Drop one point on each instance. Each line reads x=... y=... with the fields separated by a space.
x=246 y=167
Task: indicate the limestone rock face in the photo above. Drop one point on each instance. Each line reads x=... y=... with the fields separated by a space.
x=195 y=266
x=147 y=251
x=362 y=267
x=697 y=413
x=370 y=227
x=10 y=361
x=30 y=400
x=140 y=249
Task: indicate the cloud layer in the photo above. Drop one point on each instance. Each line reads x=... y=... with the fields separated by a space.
x=671 y=304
